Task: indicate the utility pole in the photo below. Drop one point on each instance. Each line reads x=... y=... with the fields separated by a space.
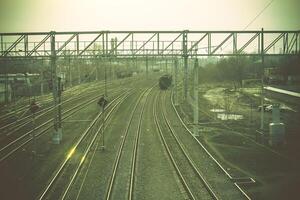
x=78 y=70
x=59 y=108
x=96 y=65
x=105 y=75
x=185 y=60
x=106 y=56
x=57 y=129
x=262 y=80
x=70 y=71
x=176 y=81
x=166 y=65
x=42 y=82
x=196 y=113
x=147 y=66
x=6 y=88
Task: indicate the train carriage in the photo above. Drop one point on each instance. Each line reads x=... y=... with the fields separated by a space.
x=165 y=81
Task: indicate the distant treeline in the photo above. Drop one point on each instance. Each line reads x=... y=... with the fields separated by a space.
x=236 y=69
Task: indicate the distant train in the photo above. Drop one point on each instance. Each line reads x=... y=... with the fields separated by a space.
x=165 y=81
x=124 y=74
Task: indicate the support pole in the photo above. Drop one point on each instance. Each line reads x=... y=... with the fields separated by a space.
x=6 y=89
x=42 y=82
x=166 y=65
x=34 y=149
x=70 y=71
x=96 y=65
x=147 y=66
x=59 y=108
x=57 y=130
x=262 y=80
x=185 y=60
x=78 y=71
x=105 y=79
x=176 y=81
x=103 y=129
x=105 y=67
x=195 y=106
x=1 y=44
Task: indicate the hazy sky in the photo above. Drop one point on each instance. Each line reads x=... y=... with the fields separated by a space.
x=73 y=15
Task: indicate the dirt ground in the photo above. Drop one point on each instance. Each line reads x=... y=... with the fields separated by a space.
x=228 y=120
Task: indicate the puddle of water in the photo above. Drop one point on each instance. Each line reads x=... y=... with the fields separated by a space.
x=224 y=116
x=285 y=107
x=217 y=110
x=267 y=99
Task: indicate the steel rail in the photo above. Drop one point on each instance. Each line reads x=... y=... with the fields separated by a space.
x=191 y=162
x=69 y=112
x=47 y=99
x=43 y=112
x=87 y=150
x=207 y=152
x=159 y=130
x=79 y=141
x=135 y=150
x=120 y=150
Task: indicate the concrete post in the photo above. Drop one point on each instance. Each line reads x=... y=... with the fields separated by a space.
x=59 y=115
x=78 y=71
x=6 y=89
x=96 y=65
x=70 y=72
x=105 y=79
x=56 y=134
x=195 y=105
x=147 y=66
x=166 y=65
x=42 y=83
x=185 y=60
x=34 y=148
x=176 y=81
x=262 y=80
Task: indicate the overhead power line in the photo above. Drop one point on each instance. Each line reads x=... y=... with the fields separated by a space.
x=258 y=14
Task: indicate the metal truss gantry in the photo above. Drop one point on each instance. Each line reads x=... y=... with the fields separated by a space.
x=143 y=44
x=149 y=43
x=135 y=44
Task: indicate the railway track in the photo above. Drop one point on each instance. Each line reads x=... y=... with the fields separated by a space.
x=192 y=180
x=20 y=112
x=12 y=127
x=72 y=164
x=21 y=141
x=237 y=181
x=14 y=142
x=116 y=165
x=20 y=109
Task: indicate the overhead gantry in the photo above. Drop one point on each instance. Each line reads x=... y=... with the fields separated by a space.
x=144 y=44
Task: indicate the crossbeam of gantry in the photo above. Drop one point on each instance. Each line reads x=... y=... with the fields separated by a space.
x=150 y=43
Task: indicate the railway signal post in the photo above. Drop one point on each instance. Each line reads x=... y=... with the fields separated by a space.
x=102 y=103
x=262 y=81
x=34 y=107
x=56 y=138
